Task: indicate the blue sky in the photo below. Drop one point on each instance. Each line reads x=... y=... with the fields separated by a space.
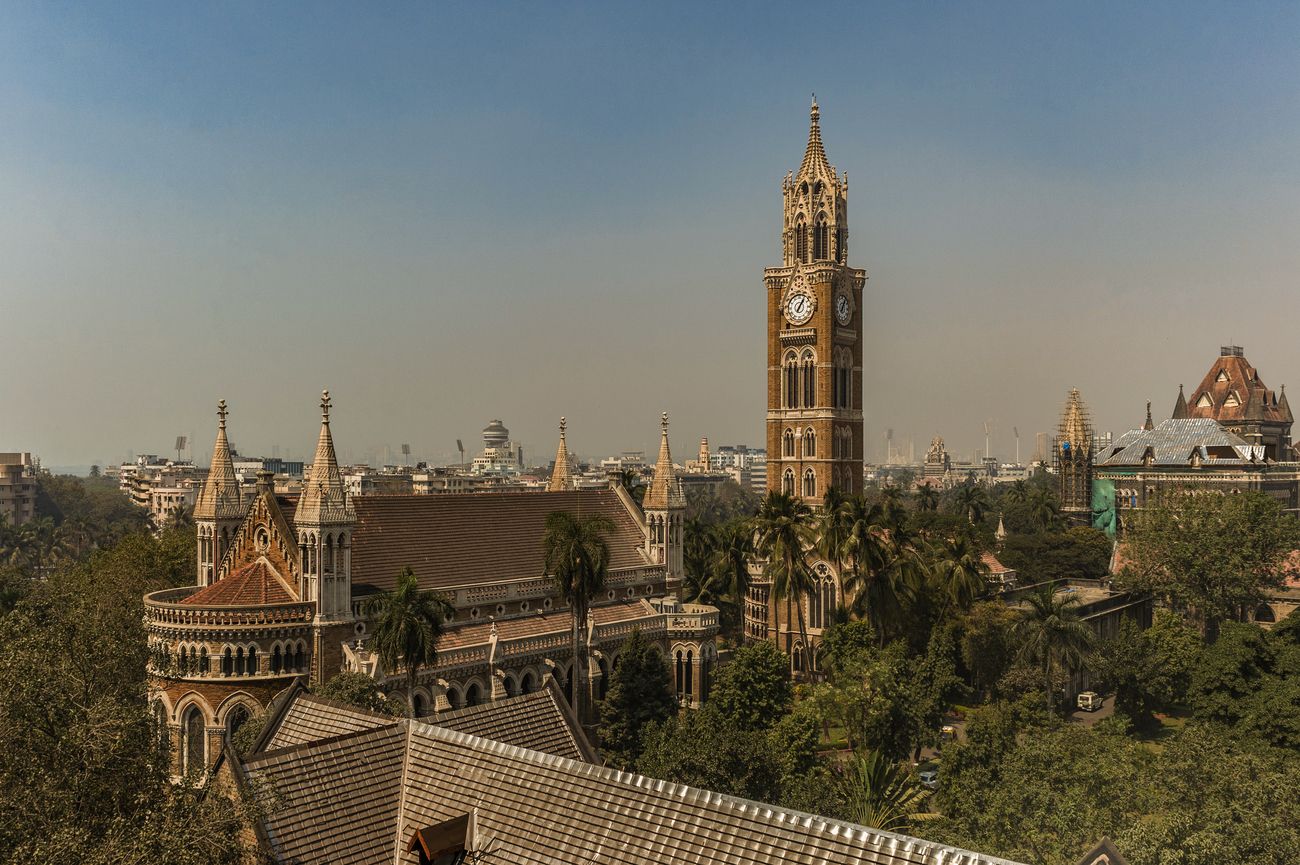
x=449 y=213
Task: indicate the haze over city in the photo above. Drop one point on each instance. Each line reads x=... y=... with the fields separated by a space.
x=448 y=217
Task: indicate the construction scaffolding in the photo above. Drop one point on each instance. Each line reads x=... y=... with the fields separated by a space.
x=1072 y=455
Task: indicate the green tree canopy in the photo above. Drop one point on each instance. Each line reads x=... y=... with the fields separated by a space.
x=1210 y=556
x=753 y=690
x=640 y=694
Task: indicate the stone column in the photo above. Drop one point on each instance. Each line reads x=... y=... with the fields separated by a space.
x=440 y=702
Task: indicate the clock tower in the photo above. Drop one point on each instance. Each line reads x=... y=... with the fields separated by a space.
x=814 y=337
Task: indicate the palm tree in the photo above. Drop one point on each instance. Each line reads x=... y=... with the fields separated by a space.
x=833 y=528
x=697 y=547
x=407 y=626
x=1052 y=633
x=927 y=497
x=972 y=501
x=1043 y=509
x=784 y=527
x=733 y=547
x=577 y=557
x=891 y=505
x=959 y=571
x=881 y=794
x=1017 y=493
x=631 y=481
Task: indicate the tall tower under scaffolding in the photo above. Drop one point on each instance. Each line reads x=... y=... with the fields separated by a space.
x=1072 y=458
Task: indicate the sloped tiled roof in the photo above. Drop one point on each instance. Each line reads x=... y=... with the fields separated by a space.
x=309 y=718
x=994 y=565
x=1232 y=391
x=540 y=721
x=337 y=798
x=473 y=538
x=1173 y=442
x=255 y=583
x=333 y=800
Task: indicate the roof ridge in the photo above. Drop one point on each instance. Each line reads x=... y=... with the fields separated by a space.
x=316 y=743
x=671 y=788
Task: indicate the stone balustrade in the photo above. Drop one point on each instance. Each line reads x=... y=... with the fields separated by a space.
x=163 y=610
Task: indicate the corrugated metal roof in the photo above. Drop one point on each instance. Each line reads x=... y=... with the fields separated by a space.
x=1177 y=442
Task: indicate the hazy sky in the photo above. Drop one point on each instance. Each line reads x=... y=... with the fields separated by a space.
x=450 y=213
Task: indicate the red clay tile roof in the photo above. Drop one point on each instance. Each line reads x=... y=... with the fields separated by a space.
x=993 y=564
x=473 y=538
x=1241 y=386
x=254 y=583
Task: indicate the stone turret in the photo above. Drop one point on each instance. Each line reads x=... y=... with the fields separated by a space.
x=219 y=507
x=563 y=473
x=665 y=509
x=325 y=520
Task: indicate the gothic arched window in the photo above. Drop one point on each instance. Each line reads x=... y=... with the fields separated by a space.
x=809 y=365
x=194 y=748
x=809 y=443
x=809 y=484
x=791 y=381
x=801 y=241
x=787 y=443
x=787 y=482
x=821 y=238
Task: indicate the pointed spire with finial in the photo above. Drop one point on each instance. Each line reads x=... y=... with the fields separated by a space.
x=220 y=497
x=815 y=163
x=1284 y=407
x=1001 y=534
x=1149 y=424
x=665 y=490
x=1180 y=407
x=324 y=497
x=562 y=474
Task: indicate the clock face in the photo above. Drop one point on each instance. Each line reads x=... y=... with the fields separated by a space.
x=843 y=310
x=799 y=308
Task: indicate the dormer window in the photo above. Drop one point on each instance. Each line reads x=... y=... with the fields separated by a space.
x=1222 y=376
x=1205 y=401
x=446 y=843
x=1231 y=400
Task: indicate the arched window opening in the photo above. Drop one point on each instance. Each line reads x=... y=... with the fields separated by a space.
x=809 y=443
x=300 y=659
x=787 y=441
x=801 y=241
x=203 y=661
x=679 y=678
x=809 y=374
x=235 y=719
x=690 y=674
x=227 y=665
x=528 y=684
x=821 y=239
x=809 y=484
x=277 y=660
x=419 y=706
x=841 y=244
x=796 y=657
x=328 y=569
x=791 y=388
x=455 y=699
x=787 y=482
x=473 y=695
x=195 y=745
x=250 y=663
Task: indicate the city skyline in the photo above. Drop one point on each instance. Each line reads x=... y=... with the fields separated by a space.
x=444 y=237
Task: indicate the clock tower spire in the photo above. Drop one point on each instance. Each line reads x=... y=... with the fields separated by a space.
x=814 y=336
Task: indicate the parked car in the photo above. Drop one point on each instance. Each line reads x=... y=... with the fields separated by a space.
x=1089 y=701
x=948 y=733
x=930 y=777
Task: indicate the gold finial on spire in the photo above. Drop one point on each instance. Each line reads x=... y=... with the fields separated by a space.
x=221 y=414
x=563 y=424
x=325 y=406
x=663 y=422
